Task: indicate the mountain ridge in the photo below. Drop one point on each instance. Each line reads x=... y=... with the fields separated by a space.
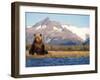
x=53 y=33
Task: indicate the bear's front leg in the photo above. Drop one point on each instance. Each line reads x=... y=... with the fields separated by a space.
x=32 y=51
x=43 y=50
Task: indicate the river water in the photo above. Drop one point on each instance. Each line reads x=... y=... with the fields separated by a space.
x=34 y=62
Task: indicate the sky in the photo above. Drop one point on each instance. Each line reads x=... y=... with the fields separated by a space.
x=31 y=18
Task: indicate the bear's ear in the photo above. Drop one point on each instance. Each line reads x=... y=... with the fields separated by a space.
x=34 y=34
x=40 y=34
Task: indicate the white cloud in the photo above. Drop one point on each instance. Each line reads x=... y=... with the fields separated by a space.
x=81 y=32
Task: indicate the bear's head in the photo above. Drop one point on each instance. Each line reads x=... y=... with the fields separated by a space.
x=38 y=38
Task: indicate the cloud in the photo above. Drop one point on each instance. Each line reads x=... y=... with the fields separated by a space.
x=80 y=31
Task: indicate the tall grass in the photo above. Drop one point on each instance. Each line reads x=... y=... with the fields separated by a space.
x=63 y=47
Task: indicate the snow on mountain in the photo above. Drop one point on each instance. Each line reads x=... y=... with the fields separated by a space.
x=38 y=27
x=29 y=26
x=57 y=29
x=41 y=27
x=56 y=33
x=81 y=32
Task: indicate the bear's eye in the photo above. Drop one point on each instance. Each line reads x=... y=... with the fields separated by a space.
x=40 y=34
x=34 y=34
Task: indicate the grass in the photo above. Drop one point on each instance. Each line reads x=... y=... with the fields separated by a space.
x=61 y=51
x=60 y=54
x=63 y=48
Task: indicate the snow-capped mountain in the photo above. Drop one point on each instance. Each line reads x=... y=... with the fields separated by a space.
x=81 y=32
x=56 y=33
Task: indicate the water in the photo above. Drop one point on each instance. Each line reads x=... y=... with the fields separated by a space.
x=33 y=62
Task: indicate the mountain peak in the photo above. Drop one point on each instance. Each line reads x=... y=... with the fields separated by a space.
x=42 y=22
x=45 y=21
x=56 y=33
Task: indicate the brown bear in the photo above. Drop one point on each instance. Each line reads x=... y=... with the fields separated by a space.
x=38 y=45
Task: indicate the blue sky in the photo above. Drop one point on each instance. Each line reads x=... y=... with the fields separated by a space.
x=32 y=18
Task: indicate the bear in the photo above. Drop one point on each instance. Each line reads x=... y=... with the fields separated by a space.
x=38 y=46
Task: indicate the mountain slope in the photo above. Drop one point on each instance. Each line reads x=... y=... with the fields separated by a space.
x=53 y=33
